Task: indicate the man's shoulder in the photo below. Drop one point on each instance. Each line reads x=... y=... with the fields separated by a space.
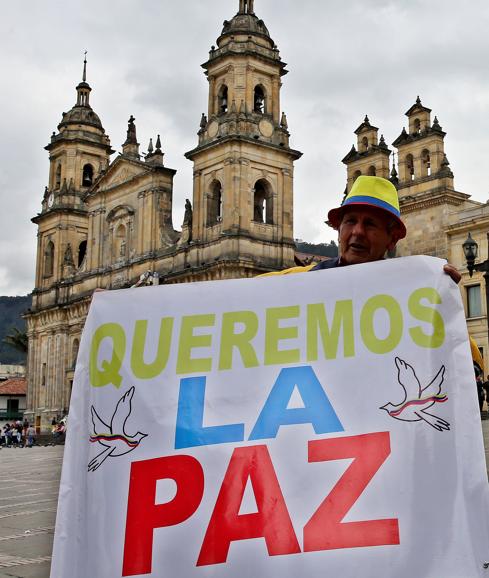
x=327 y=264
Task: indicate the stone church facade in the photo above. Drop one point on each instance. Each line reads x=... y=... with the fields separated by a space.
x=105 y=223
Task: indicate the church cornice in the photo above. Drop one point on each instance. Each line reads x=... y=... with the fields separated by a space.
x=405 y=138
x=432 y=198
x=442 y=174
x=466 y=225
x=59 y=313
x=295 y=154
x=77 y=138
x=251 y=51
x=62 y=210
x=354 y=155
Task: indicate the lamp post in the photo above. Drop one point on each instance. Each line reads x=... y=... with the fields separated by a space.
x=471 y=250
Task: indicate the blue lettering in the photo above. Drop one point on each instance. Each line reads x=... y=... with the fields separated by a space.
x=190 y=431
x=317 y=409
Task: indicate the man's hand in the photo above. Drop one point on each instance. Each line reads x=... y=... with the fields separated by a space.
x=452 y=271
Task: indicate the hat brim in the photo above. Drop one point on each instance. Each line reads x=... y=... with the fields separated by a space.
x=335 y=216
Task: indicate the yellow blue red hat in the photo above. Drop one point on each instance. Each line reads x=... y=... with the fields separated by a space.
x=373 y=192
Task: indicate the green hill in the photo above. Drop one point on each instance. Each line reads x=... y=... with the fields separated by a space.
x=324 y=249
x=11 y=309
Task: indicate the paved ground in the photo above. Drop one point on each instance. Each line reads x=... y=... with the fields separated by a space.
x=29 y=481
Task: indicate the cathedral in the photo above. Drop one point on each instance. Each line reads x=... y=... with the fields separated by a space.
x=108 y=223
x=105 y=223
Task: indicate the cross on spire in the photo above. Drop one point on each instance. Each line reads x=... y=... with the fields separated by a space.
x=84 y=78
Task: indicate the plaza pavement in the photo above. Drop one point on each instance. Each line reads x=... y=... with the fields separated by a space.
x=29 y=482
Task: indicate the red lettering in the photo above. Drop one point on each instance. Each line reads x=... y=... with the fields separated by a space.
x=143 y=515
x=325 y=530
x=272 y=521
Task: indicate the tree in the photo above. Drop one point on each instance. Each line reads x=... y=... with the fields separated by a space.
x=17 y=339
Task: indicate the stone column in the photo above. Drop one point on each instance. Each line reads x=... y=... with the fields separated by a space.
x=276 y=99
x=142 y=235
x=250 y=88
x=212 y=96
x=198 y=211
x=288 y=204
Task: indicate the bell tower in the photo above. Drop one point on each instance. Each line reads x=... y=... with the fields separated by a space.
x=370 y=157
x=421 y=150
x=243 y=164
x=427 y=193
x=78 y=155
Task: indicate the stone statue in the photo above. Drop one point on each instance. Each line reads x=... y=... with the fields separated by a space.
x=131 y=131
x=187 y=219
x=68 y=256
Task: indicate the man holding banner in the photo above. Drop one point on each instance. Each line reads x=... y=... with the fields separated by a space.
x=369 y=224
x=310 y=425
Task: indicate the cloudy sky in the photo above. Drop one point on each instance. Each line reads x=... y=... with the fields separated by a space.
x=346 y=59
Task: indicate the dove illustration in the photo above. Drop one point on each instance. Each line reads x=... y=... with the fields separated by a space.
x=113 y=437
x=418 y=399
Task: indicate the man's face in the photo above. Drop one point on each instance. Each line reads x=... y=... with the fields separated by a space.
x=364 y=235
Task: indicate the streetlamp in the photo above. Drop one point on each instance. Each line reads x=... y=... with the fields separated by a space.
x=471 y=250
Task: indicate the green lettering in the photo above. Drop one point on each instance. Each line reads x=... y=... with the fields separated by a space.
x=274 y=334
x=189 y=341
x=140 y=368
x=317 y=324
x=393 y=309
x=428 y=315
x=109 y=372
x=240 y=341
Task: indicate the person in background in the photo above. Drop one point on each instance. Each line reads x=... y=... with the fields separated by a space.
x=480 y=391
x=30 y=436
x=486 y=390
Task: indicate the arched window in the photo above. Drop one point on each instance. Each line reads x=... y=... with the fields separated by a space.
x=259 y=100
x=82 y=251
x=417 y=126
x=410 y=167
x=356 y=174
x=74 y=351
x=263 y=203
x=58 y=176
x=87 y=178
x=364 y=144
x=372 y=171
x=214 y=204
x=49 y=260
x=426 y=163
x=120 y=242
x=222 y=99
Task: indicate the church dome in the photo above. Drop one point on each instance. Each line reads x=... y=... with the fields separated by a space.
x=248 y=24
x=81 y=114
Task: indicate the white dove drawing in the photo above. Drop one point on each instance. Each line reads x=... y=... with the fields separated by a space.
x=113 y=437
x=418 y=399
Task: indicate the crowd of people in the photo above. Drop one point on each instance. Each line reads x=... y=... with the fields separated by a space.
x=20 y=434
x=482 y=390
x=17 y=434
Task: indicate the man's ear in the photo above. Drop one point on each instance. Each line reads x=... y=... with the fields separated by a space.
x=393 y=242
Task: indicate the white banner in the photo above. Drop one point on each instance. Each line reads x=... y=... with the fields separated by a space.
x=321 y=424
